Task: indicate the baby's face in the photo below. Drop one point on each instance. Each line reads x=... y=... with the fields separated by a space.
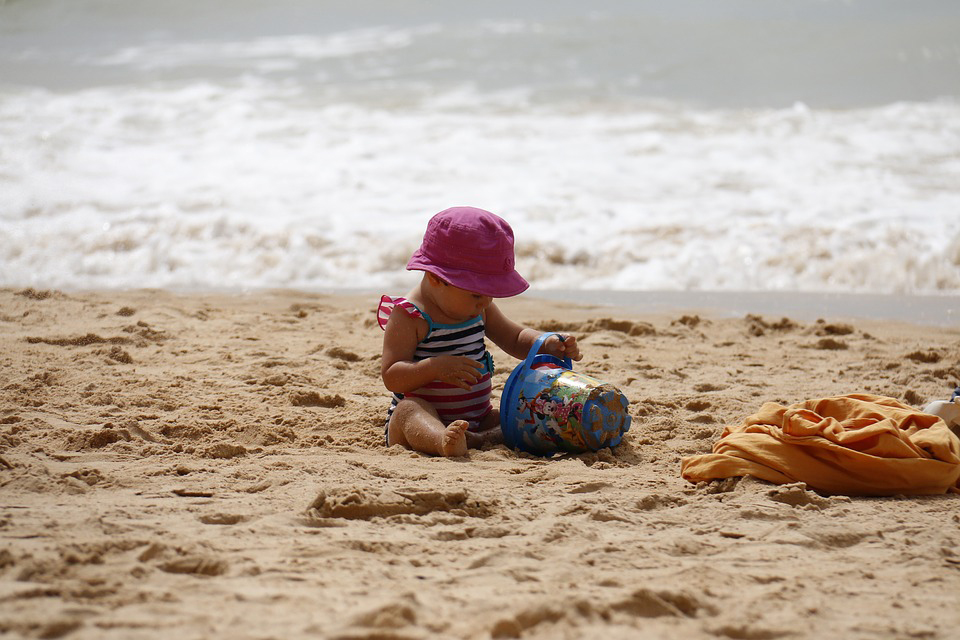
x=461 y=304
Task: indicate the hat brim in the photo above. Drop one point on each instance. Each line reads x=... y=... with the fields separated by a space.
x=500 y=285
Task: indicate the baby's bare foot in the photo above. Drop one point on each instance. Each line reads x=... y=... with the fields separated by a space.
x=454 y=441
x=480 y=439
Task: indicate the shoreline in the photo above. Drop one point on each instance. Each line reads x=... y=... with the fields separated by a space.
x=935 y=310
x=922 y=309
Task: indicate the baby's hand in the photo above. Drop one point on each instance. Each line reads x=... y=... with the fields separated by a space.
x=460 y=371
x=563 y=346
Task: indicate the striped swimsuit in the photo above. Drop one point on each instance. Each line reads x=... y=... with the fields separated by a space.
x=463 y=339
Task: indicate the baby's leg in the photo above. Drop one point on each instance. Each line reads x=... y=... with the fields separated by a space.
x=416 y=425
x=488 y=433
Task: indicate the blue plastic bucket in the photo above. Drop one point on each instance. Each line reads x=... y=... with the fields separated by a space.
x=547 y=408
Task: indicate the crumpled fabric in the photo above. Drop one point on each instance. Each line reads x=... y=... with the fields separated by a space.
x=858 y=444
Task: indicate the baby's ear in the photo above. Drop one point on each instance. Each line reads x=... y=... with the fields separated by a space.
x=434 y=279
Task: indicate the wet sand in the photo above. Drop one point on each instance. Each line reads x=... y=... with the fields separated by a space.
x=213 y=466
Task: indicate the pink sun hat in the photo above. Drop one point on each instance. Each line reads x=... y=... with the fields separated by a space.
x=471 y=249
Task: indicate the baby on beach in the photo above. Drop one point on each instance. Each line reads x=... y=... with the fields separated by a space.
x=435 y=359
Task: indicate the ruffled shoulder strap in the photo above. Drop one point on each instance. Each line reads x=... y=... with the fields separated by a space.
x=389 y=303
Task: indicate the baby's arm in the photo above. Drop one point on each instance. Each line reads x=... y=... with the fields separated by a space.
x=517 y=340
x=399 y=371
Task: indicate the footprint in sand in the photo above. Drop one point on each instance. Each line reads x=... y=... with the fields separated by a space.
x=822 y=328
x=642 y=603
x=840 y=538
x=628 y=327
x=388 y=616
x=648 y=603
x=86 y=475
x=342 y=354
x=830 y=344
x=925 y=357
x=78 y=341
x=223 y=518
x=199 y=565
x=690 y=321
x=707 y=387
x=912 y=397
x=653 y=501
x=757 y=326
x=358 y=503
x=97 y=439
x=35 y=294
x=116 y=354
x=797 y=495
x=224 y=451
x=314 y=399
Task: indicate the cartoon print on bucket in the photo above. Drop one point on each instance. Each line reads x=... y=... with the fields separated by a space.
x=547 y=408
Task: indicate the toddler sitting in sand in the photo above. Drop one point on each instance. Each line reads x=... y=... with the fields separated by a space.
x=435 y=360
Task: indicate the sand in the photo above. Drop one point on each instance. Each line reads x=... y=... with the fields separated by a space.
x=213 y=466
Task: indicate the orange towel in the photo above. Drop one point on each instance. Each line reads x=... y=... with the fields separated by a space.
x=857 y=444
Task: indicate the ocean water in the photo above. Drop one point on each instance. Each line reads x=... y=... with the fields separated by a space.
x=708 y=145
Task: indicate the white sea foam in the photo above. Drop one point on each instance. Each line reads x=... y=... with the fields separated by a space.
x=267 y=53
x=265 y=159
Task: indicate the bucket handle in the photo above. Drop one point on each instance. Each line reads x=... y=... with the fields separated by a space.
x=528 y=363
